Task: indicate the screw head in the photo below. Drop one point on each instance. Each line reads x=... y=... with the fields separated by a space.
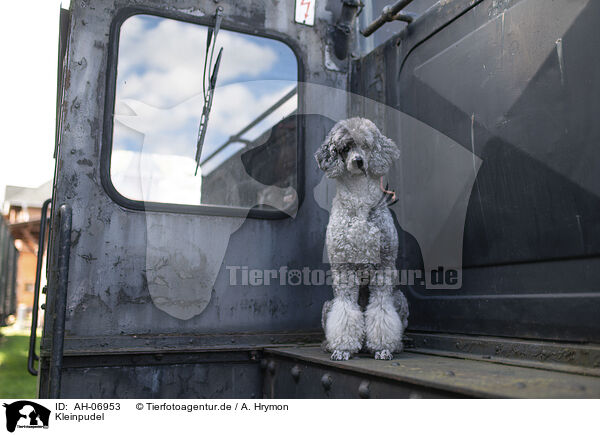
x=326 y=381
x=295 y=372
x=364 y=392
x=271 y=366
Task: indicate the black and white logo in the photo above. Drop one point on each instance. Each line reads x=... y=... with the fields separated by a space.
x=26 y=414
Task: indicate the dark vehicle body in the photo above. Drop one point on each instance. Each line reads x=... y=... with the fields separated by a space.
x=511 y=83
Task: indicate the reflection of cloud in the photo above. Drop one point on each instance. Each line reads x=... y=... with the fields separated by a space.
x=174 y=130
x=155 y=177
x=161 y=61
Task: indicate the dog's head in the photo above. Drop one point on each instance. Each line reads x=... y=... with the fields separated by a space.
x=357 y=147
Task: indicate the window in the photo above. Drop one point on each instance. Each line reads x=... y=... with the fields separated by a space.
x=249 y=154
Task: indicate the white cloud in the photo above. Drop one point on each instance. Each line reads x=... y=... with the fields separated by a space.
x=174 y=130
x=163 y=65
x=155 y=178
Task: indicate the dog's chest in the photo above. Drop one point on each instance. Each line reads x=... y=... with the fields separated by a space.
x=352 y=236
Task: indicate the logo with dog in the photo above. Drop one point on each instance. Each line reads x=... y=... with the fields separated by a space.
x=25 y=414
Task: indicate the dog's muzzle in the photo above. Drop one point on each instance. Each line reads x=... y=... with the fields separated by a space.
x=358 y=163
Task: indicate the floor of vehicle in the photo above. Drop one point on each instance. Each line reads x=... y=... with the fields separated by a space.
x=307 y=371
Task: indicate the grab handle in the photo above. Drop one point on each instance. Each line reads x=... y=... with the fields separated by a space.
x=32 y=357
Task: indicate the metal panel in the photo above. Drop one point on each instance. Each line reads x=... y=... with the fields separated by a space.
x=115 y=250
x=108 y=277
x=514 y=84
x=177 y=381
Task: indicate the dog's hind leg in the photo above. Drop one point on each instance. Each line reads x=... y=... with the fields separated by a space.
x=401 y=305
x=344 y=323
x=324 y=314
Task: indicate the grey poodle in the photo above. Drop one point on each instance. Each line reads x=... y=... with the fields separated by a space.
x=367 y=311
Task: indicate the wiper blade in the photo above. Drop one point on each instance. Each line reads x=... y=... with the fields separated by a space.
x=211 y=42
x=206 y=110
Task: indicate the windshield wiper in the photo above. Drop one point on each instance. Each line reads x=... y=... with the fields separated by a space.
x=211 y=42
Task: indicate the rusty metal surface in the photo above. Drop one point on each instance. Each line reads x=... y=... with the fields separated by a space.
x=110 y=267
x=459 y=376
x=116 y=251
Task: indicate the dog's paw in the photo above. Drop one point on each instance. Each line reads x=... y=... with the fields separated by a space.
x=340 y=355
x=384 y=354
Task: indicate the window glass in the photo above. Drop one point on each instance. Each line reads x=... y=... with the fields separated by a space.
x=248 y=157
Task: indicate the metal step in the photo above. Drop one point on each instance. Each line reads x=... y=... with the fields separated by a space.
x=307 y=372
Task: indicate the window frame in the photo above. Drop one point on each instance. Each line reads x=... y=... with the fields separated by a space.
x=107 y=137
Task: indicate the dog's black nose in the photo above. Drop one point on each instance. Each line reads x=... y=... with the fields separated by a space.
x=359 y=162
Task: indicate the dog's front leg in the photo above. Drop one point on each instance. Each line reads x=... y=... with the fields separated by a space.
x=383 y=325
x=344 y=329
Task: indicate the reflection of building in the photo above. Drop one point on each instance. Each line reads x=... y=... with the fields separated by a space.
x=22 y=210
x=269 y=160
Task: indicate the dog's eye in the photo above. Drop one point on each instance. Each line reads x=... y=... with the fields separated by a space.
x=346 y=148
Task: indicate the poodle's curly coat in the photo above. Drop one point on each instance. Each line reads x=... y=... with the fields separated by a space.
x=362 y=244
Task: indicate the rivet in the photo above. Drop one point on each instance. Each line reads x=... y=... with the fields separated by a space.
x=295 y=372
x=326 y=381
x=271 y=366
x=364 y=392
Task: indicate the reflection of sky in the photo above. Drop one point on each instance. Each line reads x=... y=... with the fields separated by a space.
x=159 y=86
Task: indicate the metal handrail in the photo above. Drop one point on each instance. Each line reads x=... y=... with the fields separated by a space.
x=31 y=357
x=60 y=301
x=389 y=13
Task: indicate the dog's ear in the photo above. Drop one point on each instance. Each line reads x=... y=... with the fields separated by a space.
x=328 y=158
x=384 y=153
